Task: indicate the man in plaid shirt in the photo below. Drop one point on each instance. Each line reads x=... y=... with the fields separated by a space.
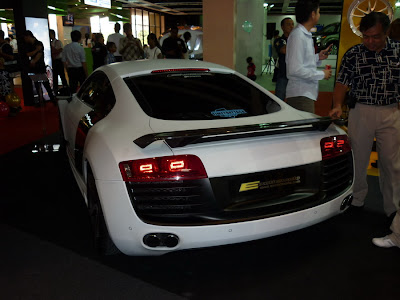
x=129 y=46
x=372 y=72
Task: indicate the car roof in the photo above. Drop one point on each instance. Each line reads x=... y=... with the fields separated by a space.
x=146 y=66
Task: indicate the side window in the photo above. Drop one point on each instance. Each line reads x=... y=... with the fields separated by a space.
x=106 y=100
x=86 y=92
x=97 y=92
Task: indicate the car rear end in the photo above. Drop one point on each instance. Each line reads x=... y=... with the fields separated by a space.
x=242 y=164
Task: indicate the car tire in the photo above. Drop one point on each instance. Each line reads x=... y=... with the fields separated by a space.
x=63 y=142
x=102 y=241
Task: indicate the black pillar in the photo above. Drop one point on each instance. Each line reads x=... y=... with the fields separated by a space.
x=23 y=9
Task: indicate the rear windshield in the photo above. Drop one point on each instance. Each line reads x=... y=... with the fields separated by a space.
x=199 y=96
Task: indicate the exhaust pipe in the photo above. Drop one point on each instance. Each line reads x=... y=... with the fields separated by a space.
x=155 y=240
x=152 y=240
x=346 y=202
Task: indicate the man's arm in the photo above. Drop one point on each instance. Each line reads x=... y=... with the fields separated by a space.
x=122 y=46
x=36 y=59
x=339 y=94
x=139 y=45
x=37 y=49
x=295 y=61
x=323 y=54
x=280 y=46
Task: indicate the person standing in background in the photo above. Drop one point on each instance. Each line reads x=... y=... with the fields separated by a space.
x=87 y=42
x=6 y=51
x=301 y=60
x=115 y=38
x=287 y=25
x=74 y=60
x=111 y=48
x=187 y=36
x=173 y=46
x=99 y=51
x=251 y=69
x=153 y=51
x=130 y=47
x=13 y=43
x=56 y=55
x=37 y=66
x=274 y=54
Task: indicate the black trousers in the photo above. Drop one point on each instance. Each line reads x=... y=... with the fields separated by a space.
x=58 y=70
x=76 y=75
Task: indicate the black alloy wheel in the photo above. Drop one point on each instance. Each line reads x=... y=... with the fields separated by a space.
x=101 y=238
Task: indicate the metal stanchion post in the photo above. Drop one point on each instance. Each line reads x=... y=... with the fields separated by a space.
x=40 y=78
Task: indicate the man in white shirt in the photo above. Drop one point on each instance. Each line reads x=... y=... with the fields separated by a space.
x=74 y=60
x=56 y=56
x=115 y=37
x=13 y=43
x=301 y=60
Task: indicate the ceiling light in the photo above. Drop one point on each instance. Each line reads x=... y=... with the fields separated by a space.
x=51 y=7
x=397 y=4
x=272 y=5
x=265 y=4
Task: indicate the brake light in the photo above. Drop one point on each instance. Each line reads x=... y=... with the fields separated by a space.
x=181 y=70
x=334 y=146
x=166 y=168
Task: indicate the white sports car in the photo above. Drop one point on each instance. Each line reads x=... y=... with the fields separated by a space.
x=180 y=154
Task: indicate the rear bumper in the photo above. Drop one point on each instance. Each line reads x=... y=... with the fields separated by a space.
x=128 y=231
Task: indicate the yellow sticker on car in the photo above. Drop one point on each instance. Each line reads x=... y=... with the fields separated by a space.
x=249 y=186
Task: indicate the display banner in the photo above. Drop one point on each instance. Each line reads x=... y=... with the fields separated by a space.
x=99 y=3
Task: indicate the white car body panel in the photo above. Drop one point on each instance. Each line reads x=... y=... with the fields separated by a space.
x=128 y=230
x=111 y=141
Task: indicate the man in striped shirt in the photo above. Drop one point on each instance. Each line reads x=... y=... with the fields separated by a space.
x=372 y=72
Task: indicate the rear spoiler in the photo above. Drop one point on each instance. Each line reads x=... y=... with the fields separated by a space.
x=182 y=138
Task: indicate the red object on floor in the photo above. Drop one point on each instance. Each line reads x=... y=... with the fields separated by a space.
x=29 y=125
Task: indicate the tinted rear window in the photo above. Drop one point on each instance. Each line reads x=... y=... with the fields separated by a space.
x=199 y=96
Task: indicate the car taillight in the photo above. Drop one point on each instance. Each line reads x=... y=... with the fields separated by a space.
x=179 y=167
x=334 y=145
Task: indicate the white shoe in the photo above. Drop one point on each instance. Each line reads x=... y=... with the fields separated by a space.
x=384 y=242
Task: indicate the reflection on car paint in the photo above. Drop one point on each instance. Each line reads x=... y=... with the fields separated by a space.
x=85 y=124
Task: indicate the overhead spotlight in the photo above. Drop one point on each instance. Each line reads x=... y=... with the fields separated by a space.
x=265 y=4
x=272 y=5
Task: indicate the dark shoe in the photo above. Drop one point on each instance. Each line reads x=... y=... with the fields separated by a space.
x=390 y=219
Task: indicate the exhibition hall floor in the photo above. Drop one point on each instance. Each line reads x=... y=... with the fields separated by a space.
x=46 y=251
